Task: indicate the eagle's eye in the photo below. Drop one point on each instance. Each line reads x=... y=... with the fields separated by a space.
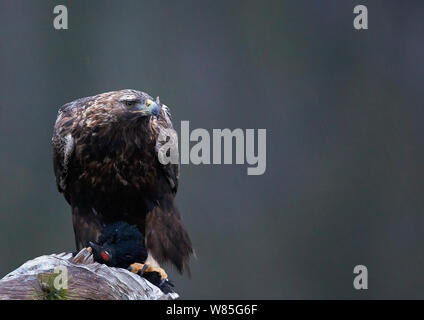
x=129 y=103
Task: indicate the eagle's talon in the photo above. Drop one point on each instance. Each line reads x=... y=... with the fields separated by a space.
x=143 y=270
x=162 y=282
x=166 y=286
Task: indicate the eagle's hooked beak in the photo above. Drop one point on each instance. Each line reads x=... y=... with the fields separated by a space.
x=149 y=108
x=153 y=107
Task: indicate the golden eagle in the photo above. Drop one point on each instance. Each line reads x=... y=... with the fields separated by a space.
x=105 y=157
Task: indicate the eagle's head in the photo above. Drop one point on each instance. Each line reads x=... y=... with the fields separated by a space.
x=137 y=103
x=116 y=106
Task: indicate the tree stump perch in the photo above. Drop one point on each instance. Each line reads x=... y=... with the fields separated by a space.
x=87 y=280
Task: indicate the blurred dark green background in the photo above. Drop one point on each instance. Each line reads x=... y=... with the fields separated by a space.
x=343 y=111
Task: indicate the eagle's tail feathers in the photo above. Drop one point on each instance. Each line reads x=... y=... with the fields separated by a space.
x=166 y=236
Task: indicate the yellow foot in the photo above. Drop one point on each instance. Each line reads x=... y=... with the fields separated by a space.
x=137 y=267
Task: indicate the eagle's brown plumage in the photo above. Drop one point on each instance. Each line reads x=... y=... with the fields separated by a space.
x=106 y=165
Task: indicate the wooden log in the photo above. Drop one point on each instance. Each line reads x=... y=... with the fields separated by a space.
x=86 y=280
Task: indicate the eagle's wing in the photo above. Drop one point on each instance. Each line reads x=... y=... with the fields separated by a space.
x=166 y=133
x=87 y=225
x=63 y=147
x=63 y=141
